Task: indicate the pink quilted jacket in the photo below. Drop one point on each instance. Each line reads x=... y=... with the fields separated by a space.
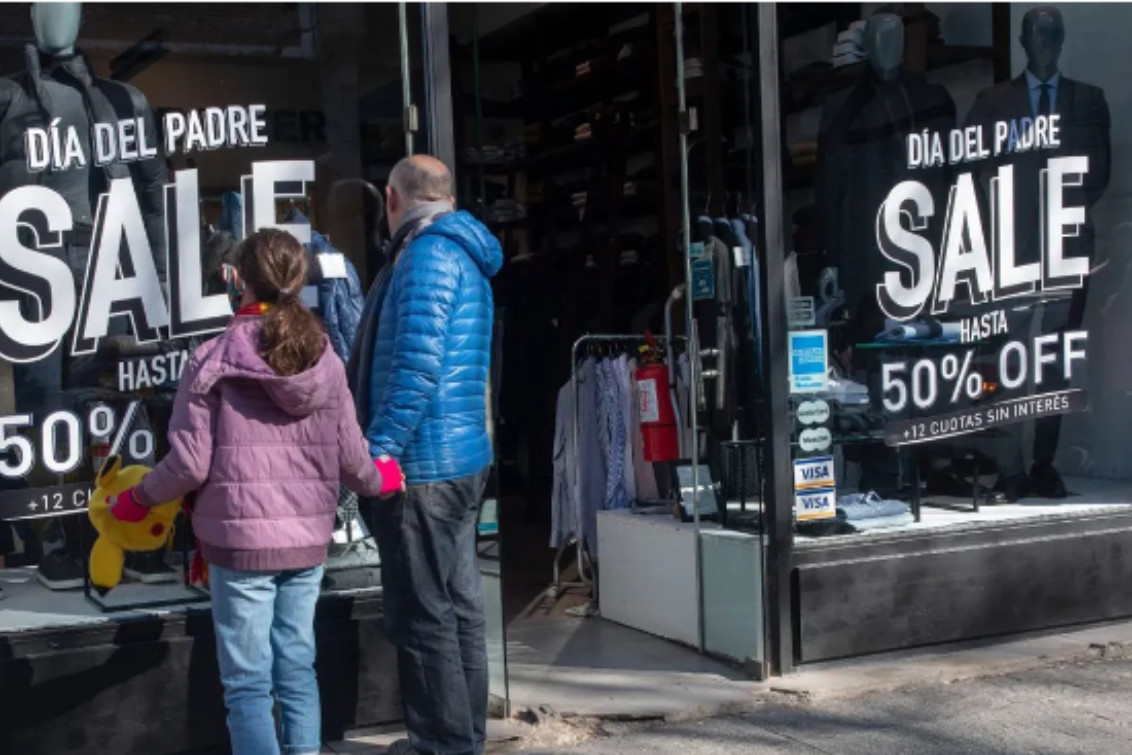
x=266 y=453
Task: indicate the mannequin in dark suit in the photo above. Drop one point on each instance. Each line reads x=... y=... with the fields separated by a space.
x=862 y=155
x=1084 y=127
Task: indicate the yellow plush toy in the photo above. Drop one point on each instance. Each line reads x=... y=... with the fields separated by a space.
x=115 y=537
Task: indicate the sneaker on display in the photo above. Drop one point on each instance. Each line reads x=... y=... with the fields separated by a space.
x=149 y=568
x=57 y=571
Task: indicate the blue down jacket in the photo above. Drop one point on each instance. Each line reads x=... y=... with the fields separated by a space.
x=340 y=300
x=431 y=356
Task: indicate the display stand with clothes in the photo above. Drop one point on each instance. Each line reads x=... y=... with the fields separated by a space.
x=599 y=460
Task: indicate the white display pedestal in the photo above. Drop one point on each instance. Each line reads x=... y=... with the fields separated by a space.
x=647 y=574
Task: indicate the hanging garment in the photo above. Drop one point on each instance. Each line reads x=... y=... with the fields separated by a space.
x=563 y=501
x=627 y=396
x=590 y=462
x=612 y=438
x=341 y=298
x=751 y=279
x=685 y=400
x=790 y=275
x=232 y=214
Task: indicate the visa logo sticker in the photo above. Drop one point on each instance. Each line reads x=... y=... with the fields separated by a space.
x=815 y=504
x=810 y=474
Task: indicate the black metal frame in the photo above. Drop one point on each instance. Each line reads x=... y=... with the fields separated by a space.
x=438 y=84
x=780 y=501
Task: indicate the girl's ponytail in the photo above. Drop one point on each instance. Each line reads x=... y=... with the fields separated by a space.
x=273 y=265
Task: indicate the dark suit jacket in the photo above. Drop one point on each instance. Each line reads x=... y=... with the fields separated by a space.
x=1084 y=127
x=862 y=155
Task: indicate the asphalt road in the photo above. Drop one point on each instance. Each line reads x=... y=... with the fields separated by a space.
x=1076 y=708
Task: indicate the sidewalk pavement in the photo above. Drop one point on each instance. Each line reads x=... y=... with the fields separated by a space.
x=591 y=669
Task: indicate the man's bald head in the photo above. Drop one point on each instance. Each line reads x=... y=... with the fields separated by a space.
x=414 y=180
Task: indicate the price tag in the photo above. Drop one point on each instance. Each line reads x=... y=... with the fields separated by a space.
x=703 y=279
x=332 y=265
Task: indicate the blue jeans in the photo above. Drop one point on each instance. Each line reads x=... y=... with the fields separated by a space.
x=434 y=612
x=265 y=640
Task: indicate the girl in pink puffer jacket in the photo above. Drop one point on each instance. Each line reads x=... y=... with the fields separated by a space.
x=264 y=430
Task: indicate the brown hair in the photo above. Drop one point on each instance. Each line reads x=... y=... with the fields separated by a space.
x=273 y=266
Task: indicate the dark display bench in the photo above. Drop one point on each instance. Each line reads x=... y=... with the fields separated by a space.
x=879 y=594
x=148 y=682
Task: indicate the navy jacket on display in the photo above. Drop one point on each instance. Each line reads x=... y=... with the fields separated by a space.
x=340 y=300
x=428 y=383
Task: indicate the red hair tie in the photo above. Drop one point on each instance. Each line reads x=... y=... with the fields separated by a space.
x=253 y=310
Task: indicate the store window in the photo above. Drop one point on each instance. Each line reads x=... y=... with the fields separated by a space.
x=137 y=147
x=957 y=282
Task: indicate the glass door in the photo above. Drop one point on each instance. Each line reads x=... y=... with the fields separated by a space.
x=721 y=238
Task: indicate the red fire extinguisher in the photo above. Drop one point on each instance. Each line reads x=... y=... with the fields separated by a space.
x=654 y=399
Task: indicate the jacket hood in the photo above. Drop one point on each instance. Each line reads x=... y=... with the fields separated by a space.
x=235 y=355
x=472 y=236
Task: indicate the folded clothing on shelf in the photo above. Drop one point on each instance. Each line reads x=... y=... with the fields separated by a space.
x=868 y=511
x=920 y=329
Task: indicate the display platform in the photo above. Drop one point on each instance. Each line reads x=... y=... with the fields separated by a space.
x=1033 y=565
x=76 y=680
x=1088 y=497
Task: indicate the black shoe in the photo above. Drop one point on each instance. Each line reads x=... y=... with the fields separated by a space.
x=1013 y=487
x=57 y=571
x=948 y=482
x=1046 y=481
x=149 y=568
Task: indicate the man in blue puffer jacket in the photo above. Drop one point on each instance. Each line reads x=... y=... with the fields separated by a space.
x=428 y=410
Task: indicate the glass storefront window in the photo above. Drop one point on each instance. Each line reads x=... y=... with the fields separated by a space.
x=136 y=149
x=956 y=283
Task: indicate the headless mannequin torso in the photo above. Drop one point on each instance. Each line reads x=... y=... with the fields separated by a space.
x=862 y=154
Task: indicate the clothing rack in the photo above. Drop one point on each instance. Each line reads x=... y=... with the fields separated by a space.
x=592 y=341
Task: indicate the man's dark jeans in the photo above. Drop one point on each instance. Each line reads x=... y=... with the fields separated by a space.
x=434 y=611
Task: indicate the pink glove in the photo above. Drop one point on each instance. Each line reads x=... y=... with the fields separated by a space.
x=392 y=478
x=125 y=506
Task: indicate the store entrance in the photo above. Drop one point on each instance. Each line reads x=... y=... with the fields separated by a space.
x=571 y=149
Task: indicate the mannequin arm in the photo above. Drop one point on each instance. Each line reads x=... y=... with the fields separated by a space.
x=1096 y=143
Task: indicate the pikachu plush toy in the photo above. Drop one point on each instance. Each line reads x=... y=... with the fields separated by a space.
x=116 y=537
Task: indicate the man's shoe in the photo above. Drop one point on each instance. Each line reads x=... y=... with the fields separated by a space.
x=149 y=568
x=400 y=747
x=1046 y=481
x=57 y=571
x=948 y=482
x=1013 y=488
